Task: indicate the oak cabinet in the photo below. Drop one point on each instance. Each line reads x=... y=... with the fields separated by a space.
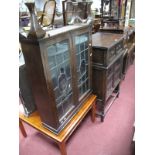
x=59 y=70
x=108 y=49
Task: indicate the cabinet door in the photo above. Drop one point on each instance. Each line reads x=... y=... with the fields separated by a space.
x=82 y=54
x=59 y=75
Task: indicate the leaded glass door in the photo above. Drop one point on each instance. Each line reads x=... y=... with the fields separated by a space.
x=59 y=63
x=82 y=63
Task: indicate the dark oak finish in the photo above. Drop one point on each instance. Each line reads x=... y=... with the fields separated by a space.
x=108 y=49
x=129 y=45
x=61 y=138
x=106 y=46
x=59 y=71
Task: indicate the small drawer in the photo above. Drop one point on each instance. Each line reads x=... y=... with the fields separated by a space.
x=98 y=56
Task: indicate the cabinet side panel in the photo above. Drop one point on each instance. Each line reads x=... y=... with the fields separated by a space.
x=98 y=82
x=36 y=76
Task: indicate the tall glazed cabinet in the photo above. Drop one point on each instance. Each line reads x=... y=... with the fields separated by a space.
x=59 y=70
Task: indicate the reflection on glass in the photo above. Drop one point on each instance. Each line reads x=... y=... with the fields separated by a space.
x=59 y=66
x=82 y=66
x=62 y=81
x=81 y=42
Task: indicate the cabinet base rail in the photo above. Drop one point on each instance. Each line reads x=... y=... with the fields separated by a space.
x=103 y=113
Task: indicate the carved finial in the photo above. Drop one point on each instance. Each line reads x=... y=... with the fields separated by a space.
x=36 y=31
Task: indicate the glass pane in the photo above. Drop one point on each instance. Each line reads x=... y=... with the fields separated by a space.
x=59 y=58
x=51 y=56
x=81 y=42
x=60 y=71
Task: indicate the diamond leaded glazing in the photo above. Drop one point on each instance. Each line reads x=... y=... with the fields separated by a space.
x=59 y=64
x=81 y=42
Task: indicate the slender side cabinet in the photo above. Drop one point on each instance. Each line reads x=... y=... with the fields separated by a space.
x=59 y=70
x=108 y=49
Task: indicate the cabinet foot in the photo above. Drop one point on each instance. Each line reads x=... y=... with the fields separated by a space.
x=117 y=95
x=102 y=117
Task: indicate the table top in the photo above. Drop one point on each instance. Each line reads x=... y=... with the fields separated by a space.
x=35 y=121
x=105 y=40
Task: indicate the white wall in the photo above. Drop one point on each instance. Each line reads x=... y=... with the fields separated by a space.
x=96 y=4
x=38 y=3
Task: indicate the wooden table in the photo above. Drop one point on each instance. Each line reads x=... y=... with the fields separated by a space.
x=61 y=138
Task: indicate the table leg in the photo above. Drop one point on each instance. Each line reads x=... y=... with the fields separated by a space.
x=93 y=111
x=62 y=147
x=22 y=129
